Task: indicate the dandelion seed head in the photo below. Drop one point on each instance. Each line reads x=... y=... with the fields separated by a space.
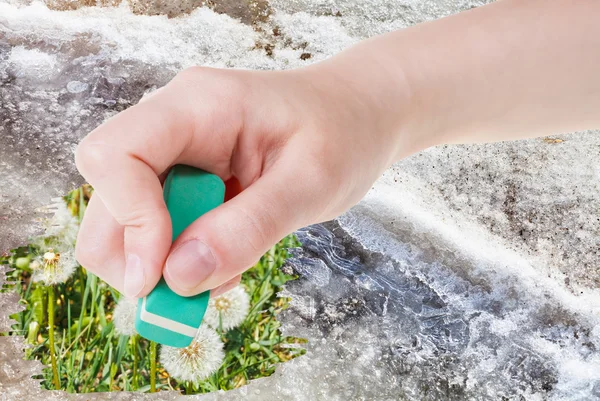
x=54 y=268
x=61 y=229
x=231 y=307
x=124 y=316
x=222 y=304
x=196 y=361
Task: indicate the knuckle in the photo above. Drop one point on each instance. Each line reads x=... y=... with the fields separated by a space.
x=194 y=77
x=191 y=73
x=216 y=82
x=92 y=157
x=139 y=217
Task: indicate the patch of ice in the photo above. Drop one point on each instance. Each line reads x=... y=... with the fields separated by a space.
x=33 y=63
x=179 y=42
x=76 y=86
x=467 y=273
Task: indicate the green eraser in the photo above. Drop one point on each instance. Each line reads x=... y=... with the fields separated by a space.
x=163 y=316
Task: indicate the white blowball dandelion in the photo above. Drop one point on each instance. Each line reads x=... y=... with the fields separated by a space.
x=54 y=267
x=124 y=316
x=228 y=310
x=61 y=229
x=198 y=360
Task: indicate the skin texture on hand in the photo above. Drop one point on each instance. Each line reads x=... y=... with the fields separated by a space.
x=510 y=70
x=306 y=145
x=300 y=144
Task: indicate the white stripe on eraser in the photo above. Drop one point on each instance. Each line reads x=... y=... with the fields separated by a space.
x=165 y=323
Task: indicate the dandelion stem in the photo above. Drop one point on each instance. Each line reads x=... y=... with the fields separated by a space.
x=82 y=205
x=51 y=303
x=135 y=362
x=152 y=367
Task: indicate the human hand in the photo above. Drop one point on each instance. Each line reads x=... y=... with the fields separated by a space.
x=307 y=144
x=304 y=146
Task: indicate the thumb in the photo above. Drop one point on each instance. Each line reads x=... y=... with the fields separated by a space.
x=231 y=238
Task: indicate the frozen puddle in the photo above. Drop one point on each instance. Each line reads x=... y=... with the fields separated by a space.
x=467 y=273
x=429 y=331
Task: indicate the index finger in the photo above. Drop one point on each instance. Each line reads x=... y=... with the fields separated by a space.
x=123 y=159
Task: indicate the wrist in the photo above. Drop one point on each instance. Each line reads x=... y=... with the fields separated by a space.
x=385 y=98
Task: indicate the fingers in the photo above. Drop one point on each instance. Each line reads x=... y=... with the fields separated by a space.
x=223 y=243
x=100 y=244
x=124 y=158
x=124 y=174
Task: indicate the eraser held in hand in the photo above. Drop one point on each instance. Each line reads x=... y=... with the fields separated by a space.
x=163 y=316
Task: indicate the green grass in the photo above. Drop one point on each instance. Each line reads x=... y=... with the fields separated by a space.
x=91 y=357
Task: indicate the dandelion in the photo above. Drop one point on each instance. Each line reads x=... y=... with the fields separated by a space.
x=61 y=229
x=196 y=361
x=53 y=267
x=228 y=310
x=124 y=316
x=35 y=265
x=124 y=322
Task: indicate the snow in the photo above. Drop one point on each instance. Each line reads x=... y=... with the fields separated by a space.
x=38 y=64
x=467 y=272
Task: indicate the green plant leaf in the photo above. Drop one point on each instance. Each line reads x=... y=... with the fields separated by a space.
x=38 y=304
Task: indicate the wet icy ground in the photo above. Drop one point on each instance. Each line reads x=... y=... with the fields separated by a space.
x=467 y=273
